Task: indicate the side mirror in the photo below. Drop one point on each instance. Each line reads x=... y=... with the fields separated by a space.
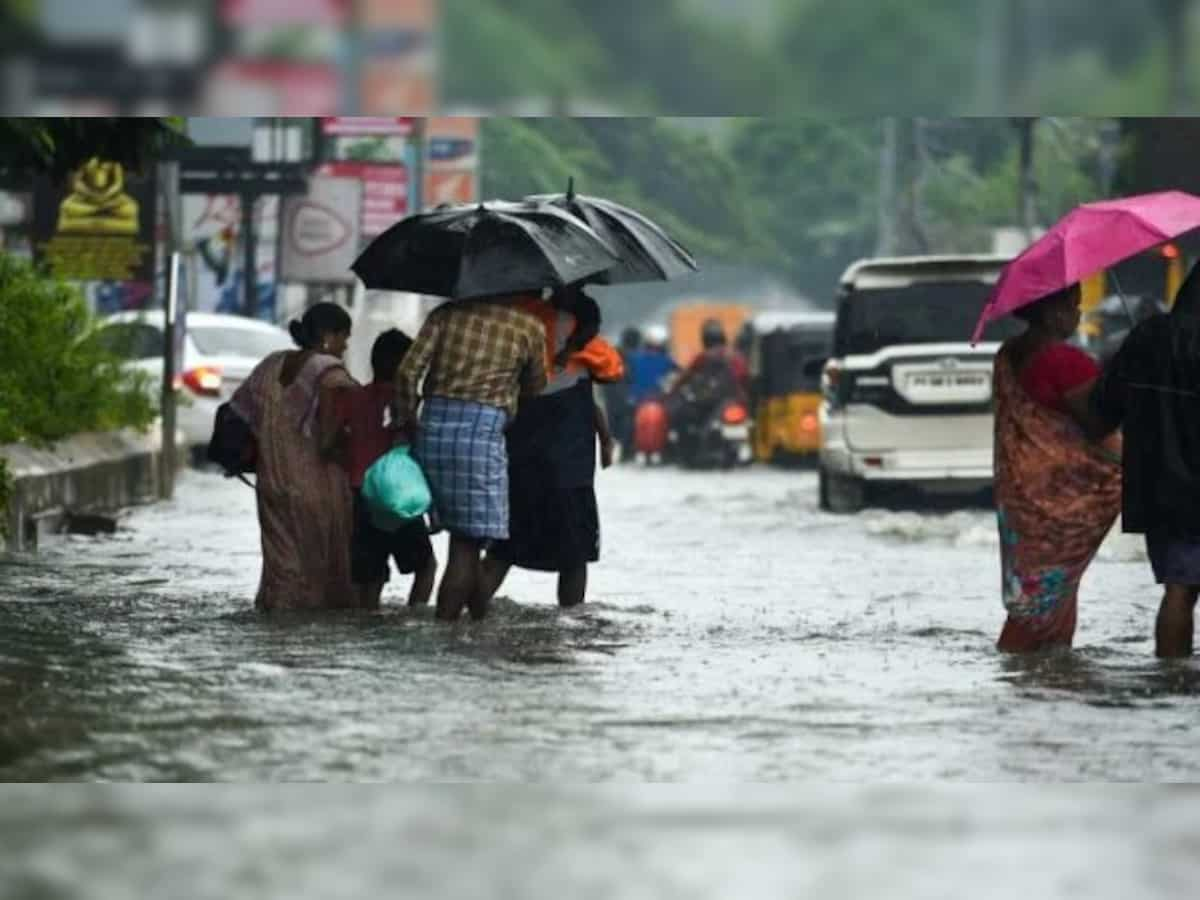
x=814 y=367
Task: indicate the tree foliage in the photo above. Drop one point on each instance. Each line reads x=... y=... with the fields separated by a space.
x=678 y=178
x=55 y=380
x=797 y=195
x=897 y=57
x=59 y=146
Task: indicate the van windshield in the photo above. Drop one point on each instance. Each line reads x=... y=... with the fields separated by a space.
x=933 y=313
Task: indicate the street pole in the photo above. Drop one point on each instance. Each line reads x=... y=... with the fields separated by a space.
x=886 y=239
x=168 y=187
x=1174 y=17
x=920 y=233
x=1026 y=181
x=990 y=77
x=417 y=190
x=249 y=256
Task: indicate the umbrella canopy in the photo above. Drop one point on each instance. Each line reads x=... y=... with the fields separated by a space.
x=647 y=252
x=1087 y=240
x=482 y=250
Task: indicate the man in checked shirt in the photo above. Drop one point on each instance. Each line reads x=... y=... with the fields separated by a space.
x=471 y=363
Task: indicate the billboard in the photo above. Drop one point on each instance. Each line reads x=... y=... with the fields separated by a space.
x=320 y=231
x=399 y=62
x=213 y=224
x=270 y=88
x=285 y=12
x=385 y=193
x=452 y=154
x=97 y=226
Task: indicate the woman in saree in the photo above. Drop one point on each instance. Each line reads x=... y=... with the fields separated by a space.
x=304 y=499
x=1057 y=493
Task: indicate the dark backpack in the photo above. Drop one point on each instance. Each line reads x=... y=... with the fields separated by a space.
x=233 y=446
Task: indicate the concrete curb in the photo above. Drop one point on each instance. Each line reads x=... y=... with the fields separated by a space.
x=88 y=474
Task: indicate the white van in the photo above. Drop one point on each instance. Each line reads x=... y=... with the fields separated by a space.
x=906 y=398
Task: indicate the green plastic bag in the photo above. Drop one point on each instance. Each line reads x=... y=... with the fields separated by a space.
x=395 y=490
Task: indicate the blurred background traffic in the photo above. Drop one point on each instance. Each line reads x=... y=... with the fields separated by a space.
x=679 y=57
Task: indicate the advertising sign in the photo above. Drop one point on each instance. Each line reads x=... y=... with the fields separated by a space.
x=212 y=224
x=359 y=126
x=268 y=88
x=97 y=226
x=320 y=238
x=452 y=169
x=385 y=192
x=400 y=62
x=285 y=12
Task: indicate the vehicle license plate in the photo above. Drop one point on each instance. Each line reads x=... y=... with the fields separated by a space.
x=949 y=387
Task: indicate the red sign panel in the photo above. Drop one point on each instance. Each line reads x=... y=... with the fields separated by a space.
x=368 y=125
x=285 y=12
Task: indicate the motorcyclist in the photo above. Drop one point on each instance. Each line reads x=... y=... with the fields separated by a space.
x=717 y=362
x=650 y=366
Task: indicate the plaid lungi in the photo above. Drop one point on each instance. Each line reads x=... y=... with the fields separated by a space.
x=460 y=446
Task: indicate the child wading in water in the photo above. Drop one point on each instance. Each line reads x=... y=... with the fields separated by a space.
x=369 y=436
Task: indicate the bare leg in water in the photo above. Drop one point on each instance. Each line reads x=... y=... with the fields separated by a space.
x=423 y=580
x=572 y=583
x=371 y=593
x=494 y=571
x=1175 y=629
x=461 y=581
x=572 y=586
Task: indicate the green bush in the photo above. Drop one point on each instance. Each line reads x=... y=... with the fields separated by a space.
x=55 y=381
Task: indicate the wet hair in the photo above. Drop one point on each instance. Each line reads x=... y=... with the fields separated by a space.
x=388 y=352
x=1036 y=312
x=713 y=335
x=318 y=321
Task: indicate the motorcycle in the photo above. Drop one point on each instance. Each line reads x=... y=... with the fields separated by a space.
x=678 y=430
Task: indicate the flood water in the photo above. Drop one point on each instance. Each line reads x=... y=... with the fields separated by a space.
x=734 y=634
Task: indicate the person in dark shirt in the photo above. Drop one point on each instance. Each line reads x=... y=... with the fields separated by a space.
x=365 y=412
x=1151 y=389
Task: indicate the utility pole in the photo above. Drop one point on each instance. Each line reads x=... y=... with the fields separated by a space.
x=1174 y=18
x=247 y=199
x=990 y=58
x=1026 y=179
x=168 y=187
x=1016 y=55
x=920 y=146
x=416 y=191
x=888 y=164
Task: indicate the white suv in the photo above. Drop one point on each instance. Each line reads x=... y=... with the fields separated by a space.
x=907 y=399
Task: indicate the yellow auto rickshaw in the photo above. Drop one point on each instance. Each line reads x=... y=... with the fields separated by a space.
x=788 y=352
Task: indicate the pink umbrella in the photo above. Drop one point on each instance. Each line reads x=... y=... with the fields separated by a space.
x=1087 y=240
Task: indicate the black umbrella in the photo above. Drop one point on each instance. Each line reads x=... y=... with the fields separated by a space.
x=647 y=252
x=483 y=249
